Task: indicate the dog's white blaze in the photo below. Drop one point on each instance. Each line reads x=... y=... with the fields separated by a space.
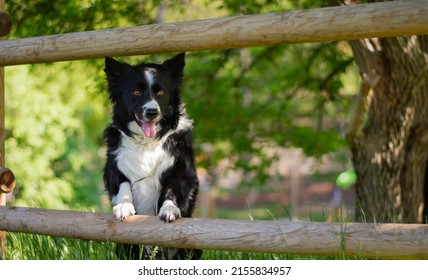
x=149 y=74
x=143 y=163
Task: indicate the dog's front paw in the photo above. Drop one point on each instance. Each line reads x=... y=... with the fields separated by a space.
x=123 y=210
x=169 y=212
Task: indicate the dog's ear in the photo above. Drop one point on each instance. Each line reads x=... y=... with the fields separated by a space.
x=113 y=68
x=175 y=65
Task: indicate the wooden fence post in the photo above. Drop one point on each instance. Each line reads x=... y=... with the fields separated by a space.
x=2 y=162
x=4 y=30
x=2 y=86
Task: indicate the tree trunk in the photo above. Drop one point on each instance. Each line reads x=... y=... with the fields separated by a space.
x=389 y=134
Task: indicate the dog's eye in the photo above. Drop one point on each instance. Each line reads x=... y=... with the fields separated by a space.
x=136 y=93
x=161 y=92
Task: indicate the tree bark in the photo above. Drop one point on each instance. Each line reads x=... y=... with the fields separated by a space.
x=389 y=134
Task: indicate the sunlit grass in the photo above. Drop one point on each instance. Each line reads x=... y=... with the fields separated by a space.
x=22 y=246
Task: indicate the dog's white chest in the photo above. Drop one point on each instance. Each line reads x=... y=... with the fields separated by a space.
x=143 y=163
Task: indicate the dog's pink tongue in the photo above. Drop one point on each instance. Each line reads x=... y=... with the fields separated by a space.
x=149 y=129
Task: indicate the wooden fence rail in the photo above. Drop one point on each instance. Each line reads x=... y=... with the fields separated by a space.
x=385 y=19
x=400 y=241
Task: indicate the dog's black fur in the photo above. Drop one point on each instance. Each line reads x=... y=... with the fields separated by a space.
x=150 y=166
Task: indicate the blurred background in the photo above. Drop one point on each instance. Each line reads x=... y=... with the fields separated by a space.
x=270 y=122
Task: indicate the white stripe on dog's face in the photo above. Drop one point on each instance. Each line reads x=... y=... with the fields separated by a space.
x=149 y=74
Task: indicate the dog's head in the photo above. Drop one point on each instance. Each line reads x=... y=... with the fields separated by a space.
x=147 y=94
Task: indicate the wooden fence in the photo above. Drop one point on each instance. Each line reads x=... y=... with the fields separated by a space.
x=309 y=238
x=397 y=18
x=386 y=19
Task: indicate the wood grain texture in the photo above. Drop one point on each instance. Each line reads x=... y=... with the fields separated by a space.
x=386 y=19
x=400 y=241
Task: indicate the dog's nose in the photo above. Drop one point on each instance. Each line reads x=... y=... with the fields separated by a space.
x=151 y=113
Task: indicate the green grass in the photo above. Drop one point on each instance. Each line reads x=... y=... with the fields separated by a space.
x=22 y=246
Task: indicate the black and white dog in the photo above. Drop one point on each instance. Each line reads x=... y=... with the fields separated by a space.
x=150 y=166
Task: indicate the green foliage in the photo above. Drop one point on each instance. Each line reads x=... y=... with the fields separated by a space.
x=53 y=134
x=282 y=95
x=47 y=17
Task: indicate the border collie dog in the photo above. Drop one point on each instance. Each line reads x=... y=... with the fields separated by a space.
x=150 y=166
